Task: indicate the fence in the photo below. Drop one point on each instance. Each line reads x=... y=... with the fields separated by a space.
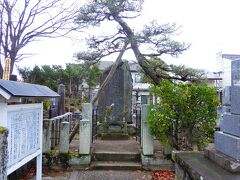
x=52 y=129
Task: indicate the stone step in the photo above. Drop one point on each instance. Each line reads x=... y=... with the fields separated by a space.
x=106 y=156
x=115 y=165
x=114 y=136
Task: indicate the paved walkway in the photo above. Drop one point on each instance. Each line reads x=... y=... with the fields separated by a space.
x=100 y=175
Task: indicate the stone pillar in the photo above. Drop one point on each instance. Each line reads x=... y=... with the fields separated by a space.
x=61 y=99
x=53 y=133
x=64 y=137
x=147 y=139
x=85 y=137
x=47 y=135
x=3 y=153
x=87 y=114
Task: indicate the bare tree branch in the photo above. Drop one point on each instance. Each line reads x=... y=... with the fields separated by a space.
x=111 y=73
x=24 y=21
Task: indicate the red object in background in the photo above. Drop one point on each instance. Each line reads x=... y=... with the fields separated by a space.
x=30 y=174
x=163 y=175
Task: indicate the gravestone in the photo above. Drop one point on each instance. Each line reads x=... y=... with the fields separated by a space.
x=227 y=141
x=118 y=93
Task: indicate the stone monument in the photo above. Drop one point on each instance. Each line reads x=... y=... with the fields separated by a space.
x=118 y=93
x=227 y=141
x=115 y=102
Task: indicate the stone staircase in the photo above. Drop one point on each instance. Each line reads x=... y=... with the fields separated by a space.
x=117 y=158
x=116 y=161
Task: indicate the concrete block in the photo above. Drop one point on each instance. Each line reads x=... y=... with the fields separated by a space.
x=85 y=137
x=228 y=144
x=80 y=160
x=64 y=137
x=154 y=162
x=231 y=124
x=235 y=99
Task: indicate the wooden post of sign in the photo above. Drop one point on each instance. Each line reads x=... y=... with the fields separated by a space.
x=39 y=157
x=39 y=167
x=6 y=72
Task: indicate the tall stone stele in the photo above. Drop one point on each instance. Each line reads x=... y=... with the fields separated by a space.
x=227 y=140
x=118 y=92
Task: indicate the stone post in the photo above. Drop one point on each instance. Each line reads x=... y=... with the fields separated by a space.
x=47 y=135
x=64 y=137
x=147 y=139
x=3 y=153
x=61 y=99
x=53 y=133
x=87 y=114
x=85 y=138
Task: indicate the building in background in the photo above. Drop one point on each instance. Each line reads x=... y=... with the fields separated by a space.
x=224 y=66
x=140 y=92
x=215 y=79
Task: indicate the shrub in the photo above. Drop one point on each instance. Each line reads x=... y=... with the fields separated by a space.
x=185 y=116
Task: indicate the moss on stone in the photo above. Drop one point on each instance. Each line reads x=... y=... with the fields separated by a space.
x=73 y=154
x=2 y=130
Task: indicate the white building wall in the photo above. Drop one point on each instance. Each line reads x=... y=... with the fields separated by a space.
x=224 y=65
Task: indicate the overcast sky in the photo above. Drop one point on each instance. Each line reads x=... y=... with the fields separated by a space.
x=210 y=26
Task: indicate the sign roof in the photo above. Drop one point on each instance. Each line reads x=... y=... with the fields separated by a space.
x=20 y=89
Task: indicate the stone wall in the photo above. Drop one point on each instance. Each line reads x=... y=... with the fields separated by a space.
x=3 y=153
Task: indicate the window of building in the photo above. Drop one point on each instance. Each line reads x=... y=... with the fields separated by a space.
x=138 y=78
x=144 y=99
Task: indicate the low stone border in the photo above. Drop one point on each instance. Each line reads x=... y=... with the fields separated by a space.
x=193 y=165
x=222 y=160
x=65 y=160
x=156 y=163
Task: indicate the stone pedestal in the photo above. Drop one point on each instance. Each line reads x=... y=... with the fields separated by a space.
x=228 y=144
